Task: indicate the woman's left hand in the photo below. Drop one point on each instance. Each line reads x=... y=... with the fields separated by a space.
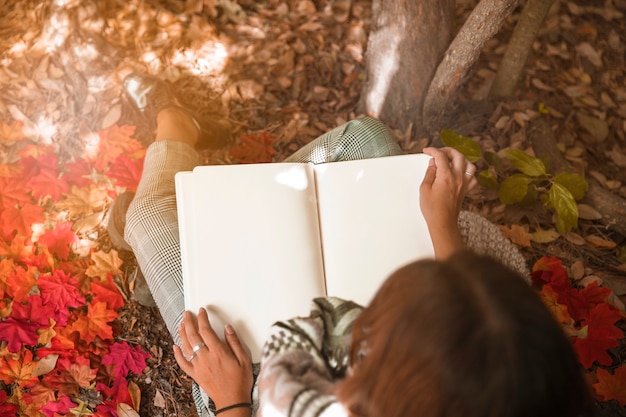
x=222 y=369
x=448 y=179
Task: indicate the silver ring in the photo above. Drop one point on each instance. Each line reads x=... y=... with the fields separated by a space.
x=197 y=347
x=469 y=173
x=192 y=357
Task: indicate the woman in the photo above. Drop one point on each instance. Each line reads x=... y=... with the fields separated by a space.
x=404 y=352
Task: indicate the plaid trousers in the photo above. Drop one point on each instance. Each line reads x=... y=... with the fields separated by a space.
x=152 y=223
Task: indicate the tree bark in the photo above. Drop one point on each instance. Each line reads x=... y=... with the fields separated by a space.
x=483 y=23
x=516 y=55
x=612 y=207
x=407 y=40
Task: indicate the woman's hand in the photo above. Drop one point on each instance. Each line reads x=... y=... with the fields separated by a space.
x=222 y=369
x=448 y=179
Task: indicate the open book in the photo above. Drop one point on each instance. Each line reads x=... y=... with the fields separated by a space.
x=260 y=241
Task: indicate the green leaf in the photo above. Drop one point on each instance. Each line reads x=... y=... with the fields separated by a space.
x=469 y=148
x=564 y=204
x=493 y=159
x=487 y=179
x=576 y=184
x=514 y=189
x=529 y=165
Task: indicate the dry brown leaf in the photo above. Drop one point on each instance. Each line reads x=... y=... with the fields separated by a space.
x=135 y=394
x=577 y=270
x=599 y=242
x=125 y=410
x=587 y=212
x=586 y=50
x=617 y=156
x=545 y=236
x=46 y=364
x=112 y=116
x=574 y=238
x=11 y=133
x=517 y=234
x=104 y=264
x=159 y=401
x=596 y=127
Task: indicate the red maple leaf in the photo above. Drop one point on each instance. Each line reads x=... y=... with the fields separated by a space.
x=18 y=368
x=612 y=386
x=107 y=291
x=125 y=359
x=5 y=408
x=549 y=270
x=43 y=177
x=33 y=310
x=20 y=220
x=95 y=323
x=126 y=172
x=255 y=148
x=116 y=393
x=78 y=173
x=58 y=408
x=70 y=374
x=17 y=333
x=602 y=335
x=59 y=239
x=59 y=290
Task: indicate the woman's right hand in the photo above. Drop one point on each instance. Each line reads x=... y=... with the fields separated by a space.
x=446 y=183
x=223 y=369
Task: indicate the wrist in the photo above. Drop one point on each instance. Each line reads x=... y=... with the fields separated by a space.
x=238 y=409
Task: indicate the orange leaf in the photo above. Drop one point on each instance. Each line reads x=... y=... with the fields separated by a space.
x=254 y=149
x=104 y=264
x=95 y=323
x=612 y=386
x=518 y=235
x=17 y=368
x=70 y=375
x=20 y=220
x=10 y=133
x=550 y=297
x=115 y=141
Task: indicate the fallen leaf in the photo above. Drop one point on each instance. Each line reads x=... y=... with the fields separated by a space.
x=46 y=364
x=611 y=386
x=587 y=212
x=104 y=263
x=125 y=410
x=599 y=242
x=255 y=148
x=518 y=235
x=545 y=236
x=11 y=133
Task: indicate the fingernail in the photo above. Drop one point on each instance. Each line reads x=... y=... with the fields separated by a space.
x=431 y=162
x=229 y=329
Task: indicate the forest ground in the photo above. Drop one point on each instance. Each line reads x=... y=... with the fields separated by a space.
x=294 y=69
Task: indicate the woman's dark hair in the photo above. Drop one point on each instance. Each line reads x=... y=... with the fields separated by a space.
x=462 y=337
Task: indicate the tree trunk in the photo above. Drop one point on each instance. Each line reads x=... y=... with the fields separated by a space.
x=407 y=40
x=483 y=23
x=516 y=55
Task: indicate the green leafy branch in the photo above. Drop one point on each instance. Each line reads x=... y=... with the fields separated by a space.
x=558 y=192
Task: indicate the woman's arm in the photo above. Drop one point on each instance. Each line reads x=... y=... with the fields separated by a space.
x=222 y=369
x=448 y=179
